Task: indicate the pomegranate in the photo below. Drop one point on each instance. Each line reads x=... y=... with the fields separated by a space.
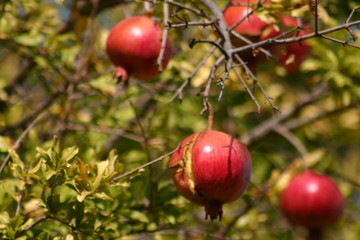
x=133 y=45
x=293 y=54
x=313 y=201
x=211 y=168
x=251 y=26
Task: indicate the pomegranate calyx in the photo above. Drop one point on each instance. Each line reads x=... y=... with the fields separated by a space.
x=315 y=233
x=121 y=74
x=213 y=210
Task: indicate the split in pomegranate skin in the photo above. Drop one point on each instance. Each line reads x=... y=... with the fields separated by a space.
x=313 y=201
x=211 y=168
x=134 y=45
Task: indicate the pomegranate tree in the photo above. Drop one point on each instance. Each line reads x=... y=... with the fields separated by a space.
x=211 y=168
x=134 y=45
x=313 y=201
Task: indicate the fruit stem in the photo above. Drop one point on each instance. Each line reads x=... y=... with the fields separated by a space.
x=315 y=234
x=148 y=9
x=210 y=114
x=121 y=74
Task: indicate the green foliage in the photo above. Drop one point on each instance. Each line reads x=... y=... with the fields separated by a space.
x=53 y=63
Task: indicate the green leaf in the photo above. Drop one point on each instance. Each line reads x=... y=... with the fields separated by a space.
x=13 y=188
x=105 y=83
x=83 y=195
x=69 y=153
x=5 y=144
x=14 y=225
x=30 y=39
x=17 y=166
x=103 y=196
x=79 y=212
x=101 y=170
x=46 y=155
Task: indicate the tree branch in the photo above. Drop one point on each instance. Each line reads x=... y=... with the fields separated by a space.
x=268 y=125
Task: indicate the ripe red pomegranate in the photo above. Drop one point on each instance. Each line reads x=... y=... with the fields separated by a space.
x=291 y=55
x=212 y=168
x=313 y=201
x=251 y=26
x=133 y=45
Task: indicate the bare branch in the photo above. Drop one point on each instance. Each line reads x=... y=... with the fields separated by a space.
x=295 y=39
x=182 y=6
x=34 y=224
x=145 y=165
x=283 y=131
x=252 y=11
x=216 y=44
x=248 y=90
x=305 y=121
x=186 y=24
x=199 y=65
x=263 y=50
x=258 y=84
x=341 y=42
x=267 y=126
x=113 y=131
x=164 y=38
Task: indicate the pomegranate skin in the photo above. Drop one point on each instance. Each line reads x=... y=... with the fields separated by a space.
x=133 y=45
x=312 y=200
x=211 y=169
x=251 y=26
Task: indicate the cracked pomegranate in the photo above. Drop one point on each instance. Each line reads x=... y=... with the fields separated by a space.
x=211 y=168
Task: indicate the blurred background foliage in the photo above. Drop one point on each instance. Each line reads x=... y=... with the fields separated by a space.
x=54 y=72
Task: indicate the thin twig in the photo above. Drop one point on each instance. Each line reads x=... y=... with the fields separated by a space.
x=182 y=6
x=283 y=131
x=164 y=39
x=316 y=13
x=246 y=16
x=248 y=89
x=216 y=44
x=34 y=224
x=306 y=121
x=186 y=24
x=145 y=165
x=221 y=28
x=263 y=50
x=267 y=126
x=341 y=42
x=106 y=130
x=210 y=111
x=258 y=84
x=16 y=144
x=294 y=39
x=179 y=91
